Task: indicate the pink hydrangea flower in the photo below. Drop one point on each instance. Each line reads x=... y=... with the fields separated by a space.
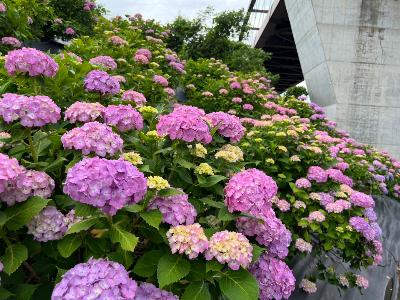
x=228 y=126
x=303 y=246
x=83 y=112
x=70 y=31
x=124 y=117
x=317 y=174
x=362 y=200
x=308 y=286
x=161 y=80
x=316 y=216
x=132 y=95
x=104 y=61
x=11 y=41
x=101 y=82
x=248 y=106
x=9 y=171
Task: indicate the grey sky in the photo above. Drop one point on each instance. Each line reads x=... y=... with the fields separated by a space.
x=166 y=10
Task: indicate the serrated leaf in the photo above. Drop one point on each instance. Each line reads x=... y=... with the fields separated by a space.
x=184 y=163
x=211 y=180
x=135 y=208
x=171 y=268
x=123 y=257
x=127 y=240
x=146 y=265
x=68 y=245
x=84 y=210
x=197 y=291
x=24 y=291
x=213 y=265
x=60 y=273
x=83 y=225
x=238 y=285
x=14 y=256
x=152 y=217
x=212 y=203
x=4 y=294
x=169 y=192
x=257 y=251
x=22 y=213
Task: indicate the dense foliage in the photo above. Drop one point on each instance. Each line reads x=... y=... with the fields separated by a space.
x=110 y=189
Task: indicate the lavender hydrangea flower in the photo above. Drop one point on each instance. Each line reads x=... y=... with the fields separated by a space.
x=83 y=112
x=38 y=111
x=186 y=127
x=303 y=183
x=124 y=117
x=148 y=291
x=93 y=137
x=104 y=61
x=101 y=82
x=187 y=109
x=9 y=171
x=317 y=174
x=362 y=200
x=132 y=95
x=228 y=126
x=250 y=191
x=176 y=209
x=11 y=106
x=362 y=226
x=106 y=184
x=31 y=61
x=188 y=239
x=338 y=176
x=230 y=247
x=325 y=199
x=96 y=279
x=11 y=41
x=274 y=277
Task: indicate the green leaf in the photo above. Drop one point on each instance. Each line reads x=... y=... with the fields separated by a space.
x=146 y=265
x=152 y=217
x=184 y=163
x=197 y=291
x=127 y=240
x=14 y=256
x=22 y=213
x=24 y=291
x=212 y=203
x=257 y=251
x=68 y=245
x=83 y=210
x=134 y=208
x=4 y=294
x=123 y=257
x=83 y=225
x=184 y=175
x=212 y=180
x=171 y=268
x=213 y=265
x=3 y=218
x=169 y=192
x=239 y=285
x=60 y=273
x=225 y=215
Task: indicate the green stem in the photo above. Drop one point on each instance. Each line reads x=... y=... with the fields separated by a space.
x=32 y=147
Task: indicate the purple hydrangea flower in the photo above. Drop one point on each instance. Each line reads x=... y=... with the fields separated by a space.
x=317 y=174
x=106 y=184
x=187 y=109
x=11 y=41
x=370 y=214
x=325 y=199
x=145 y=52
x=148 y=291
x=248 y=106
x=338 y=176
x=96 y=279
x=83 y=112
x=9 y=171
x=228 y=125
x=93 y=137
x=186 y=127
x=101 y=82
x=89 y=5
x=188 y=239
x=118 y=41
x=250 y=191
x=11 y=106
x=303 y=183
x=38 y=111
x=230 y=247
x=362 y=200
x=176 y=209
x=124 y=117
x=161 y=80
x=104 y=61
x=362 y=226
x=31 y=61
x=132 y=95
x=274 y=277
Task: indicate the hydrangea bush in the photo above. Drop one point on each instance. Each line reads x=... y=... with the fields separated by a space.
x=114 y=190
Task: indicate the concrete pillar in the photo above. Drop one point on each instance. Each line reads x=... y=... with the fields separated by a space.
x=349 y=52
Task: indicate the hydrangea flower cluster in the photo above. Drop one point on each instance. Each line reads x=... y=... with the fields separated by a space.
x=132 y=95
x=228 y=126
x=9 y=171
x=250 y=191
x=308 y=286
x=188 y=239
x=31 y=61
x=275 y=279
x=370 y=231
x=35 y=111
x=83 y=112
x=101 y=82
x=104 y=61
x=176 y=209
x=230 y=247
x=157 y=182
x=93 y=137
x=11 y=41
x=148 y=291
x=230 y=153
x=362 y=200
x=96 y=279
x=89 y=5
x=188 y=109
x=106 y=184
x=184 y=126
x=124 y=117
x=303 y=246
x=118 y=41
x=161 y=80
x=303 y=183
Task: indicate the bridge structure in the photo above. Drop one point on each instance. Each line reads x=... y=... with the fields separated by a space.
x=347 y=51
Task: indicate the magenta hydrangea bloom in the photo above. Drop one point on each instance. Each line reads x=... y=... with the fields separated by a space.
x=268 y=231
x=132 y=95
x=83 y=112
x=228 y=125
x=89 y=5
x=187 y=127
x=11 y=106
x=144 y=52
x=31 y=61
x=141 y=59
x=101 y=82
x=70 y=31
x=38 y=111
x=28 y=183
x=275 y=279
x=248 y=106
x=188 y=239
x=11 y=41
x=148 y=291
x=176 y=209
x=317 y=174
x=93 y=137
x=338 y=176
x=104 y=61
x=124 y=117
x=230 y=247
x=303 y=183
x=250 y=191
x=362 y=200
x=187 y=109
x=49 y=225
x=106 y=184
x=118 y=41
x=9 y=171
x=95 y=279
x=161 y=80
